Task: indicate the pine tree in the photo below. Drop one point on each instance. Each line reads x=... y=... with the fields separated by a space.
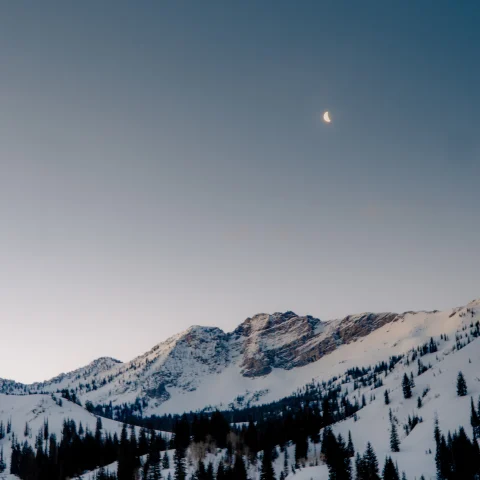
x=301 y=447
x=143 y=445
x=474 y=420
x=350 y=447
x=179 y=462
x=154 y=471
x=412 y=381
x=360 y=470
x=371 y=463
x=267 y=472
x=406 y=387
x=220 y=471
x=126 y=464
x=251 y=438
x=239 y=471
x=442 y=454
x=210 y=475
x=461 y=385
x=337 y=459
x=387 y=398
x=389 y=470
x=146 y=471
x=133 y=446
x=165 y=461
x=285 y=464
x=3 y=465
x=201 y=471
x=394 y=440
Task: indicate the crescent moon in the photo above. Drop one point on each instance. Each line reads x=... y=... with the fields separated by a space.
x=326 y=117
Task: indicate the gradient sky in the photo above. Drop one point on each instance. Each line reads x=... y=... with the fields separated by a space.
x=164 y=164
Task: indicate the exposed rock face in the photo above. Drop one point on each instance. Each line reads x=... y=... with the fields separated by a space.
x=273 y=341
x=285 y=340
x=339 y=332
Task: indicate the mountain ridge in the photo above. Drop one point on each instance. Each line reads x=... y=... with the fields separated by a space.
x=255 y=353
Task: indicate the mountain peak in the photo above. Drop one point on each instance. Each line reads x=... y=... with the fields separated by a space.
x=264 y=321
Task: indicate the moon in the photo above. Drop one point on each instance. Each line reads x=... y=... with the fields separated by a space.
x=326 y=117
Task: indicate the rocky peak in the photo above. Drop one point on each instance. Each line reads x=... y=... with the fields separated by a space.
x=263 y=321
x=271 y=341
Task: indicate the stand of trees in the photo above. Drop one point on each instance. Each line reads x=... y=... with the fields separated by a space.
x=79 y=452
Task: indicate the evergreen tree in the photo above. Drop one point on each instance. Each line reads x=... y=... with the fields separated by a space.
x=179 y=463
x=461 y=385
x=219 y=429
x=350 y=447
x=301 y=446
x=371 y=463
x=165 y=461
x=285 y=464
x=466 y=462
x=251 y=438
x=394 y=440
x=239 y=471
x=201 y=473
x=360 y=470
x=406 y=387
x=3 y=465
x=210 y=475
x=126 y=462
x=474 y=420
x=337 y=458
x=221 y=471
x=154 y=470
x=267 y=472
x=133 y=447
x=143 y=445
x=389 y=470
x=146 y=471
x=387 y=398
x=442 y=456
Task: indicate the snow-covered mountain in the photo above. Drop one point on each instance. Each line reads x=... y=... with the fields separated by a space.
x=455 y=336
x=263 y=359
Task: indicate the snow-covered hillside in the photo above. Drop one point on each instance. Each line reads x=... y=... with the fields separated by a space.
x=28 y=414
x=205 y=367
x=456 y=349
x=265 y=358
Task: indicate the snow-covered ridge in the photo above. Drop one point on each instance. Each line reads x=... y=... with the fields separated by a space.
x=264 y=358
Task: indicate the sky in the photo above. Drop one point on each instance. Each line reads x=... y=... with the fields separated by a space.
x=165 y=164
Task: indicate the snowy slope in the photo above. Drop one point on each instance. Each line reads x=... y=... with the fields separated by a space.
x=207 y=367
x=265 y=358
x=34 y=410
x=372 y=423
